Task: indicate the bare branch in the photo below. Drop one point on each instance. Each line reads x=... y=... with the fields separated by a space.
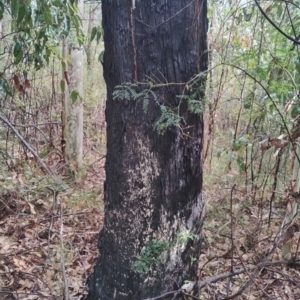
x=213 y=279
x=275 y=26
x=42 y=164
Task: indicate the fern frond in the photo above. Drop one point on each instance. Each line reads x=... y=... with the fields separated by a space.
x=196 y=106
x=145 y=103
x=125 y=91
x=167 y=119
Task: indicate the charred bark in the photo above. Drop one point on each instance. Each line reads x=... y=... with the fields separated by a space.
x=153 y=182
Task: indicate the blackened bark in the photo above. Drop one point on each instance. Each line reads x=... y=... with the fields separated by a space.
x=153 y=182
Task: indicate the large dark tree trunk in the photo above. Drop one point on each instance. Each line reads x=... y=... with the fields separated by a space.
x=153 y=182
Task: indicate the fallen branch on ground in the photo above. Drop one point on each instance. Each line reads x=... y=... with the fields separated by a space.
x=214 y=279
x=32 y=151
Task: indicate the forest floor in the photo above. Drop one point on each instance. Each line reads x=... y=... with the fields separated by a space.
x=48 y=240
x=248 y=234
x=48 y=237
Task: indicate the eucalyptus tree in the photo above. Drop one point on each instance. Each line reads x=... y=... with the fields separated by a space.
x=37 y=29
x=155 y=60
x=256 y=93
x=73 y=102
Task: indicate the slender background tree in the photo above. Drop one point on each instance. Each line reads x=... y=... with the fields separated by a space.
x=153 y=182
x=73 y=100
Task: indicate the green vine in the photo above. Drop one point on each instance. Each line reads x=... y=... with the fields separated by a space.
x=127 y=91
x=169 y=115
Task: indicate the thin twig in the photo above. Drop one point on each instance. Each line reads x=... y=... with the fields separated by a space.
x=275 y=182
x=173 y=16
x=164 y=295
x=97 y=160
x=52 y=217
x=295 y=40
x=231 y=237
x=62 y=257
x=236 y=272
x=252 y=278
x=21 y=251
x=231 y=226
x=42 y=164
x=35 y=125
x=297 y=249
x=32 y=151
x=7 y=207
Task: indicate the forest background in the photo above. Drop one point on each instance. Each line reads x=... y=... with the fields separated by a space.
x=251 y=159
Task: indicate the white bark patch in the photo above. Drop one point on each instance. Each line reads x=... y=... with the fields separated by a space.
x=198 y=212
x=139 y=188
x=168 y=230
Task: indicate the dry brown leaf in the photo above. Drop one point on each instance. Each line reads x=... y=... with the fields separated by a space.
x=26 y=284
x=32 y=208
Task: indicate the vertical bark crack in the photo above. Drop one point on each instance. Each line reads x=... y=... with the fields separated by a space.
x=133 y=39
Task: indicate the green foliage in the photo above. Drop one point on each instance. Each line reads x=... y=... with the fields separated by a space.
x=100 y=57
x=196 y=89
x=38 y=28
x=169 y=115
x=196 y=106
x=74 y=96
x=254 y=99
x=150 y=255
x=184 y=237
x=167 y=119
x=96 y=33
x=18 y=52
x=62 y=86
x=236 y=151
x=127 y=91
x=4 y=88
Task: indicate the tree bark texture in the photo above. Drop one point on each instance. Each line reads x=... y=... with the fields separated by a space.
x=73 y=119
x=153 y=182
x=74 y=111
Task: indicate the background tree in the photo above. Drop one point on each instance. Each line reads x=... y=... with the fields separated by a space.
x=29 y=46
x=73 y=98
x=153 y=204
x=31 y=105
x=252 y=127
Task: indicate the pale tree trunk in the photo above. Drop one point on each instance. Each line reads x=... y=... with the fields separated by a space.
x=89 y=43
x=292 y=209
x=73 y=110
x=153 y=188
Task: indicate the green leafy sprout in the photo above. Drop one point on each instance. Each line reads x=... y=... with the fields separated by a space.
x=150 y=255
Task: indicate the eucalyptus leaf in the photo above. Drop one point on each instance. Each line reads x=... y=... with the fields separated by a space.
x=62 y=85
x=101 y=56
x=1 y=10
x=74 y=96
x=18 y=53
x=15 y=4
x=5 y=86
x=21 y=14
x=93 y=34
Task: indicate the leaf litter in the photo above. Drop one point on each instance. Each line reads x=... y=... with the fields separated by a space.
x=30 y=235
x=265 y=257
